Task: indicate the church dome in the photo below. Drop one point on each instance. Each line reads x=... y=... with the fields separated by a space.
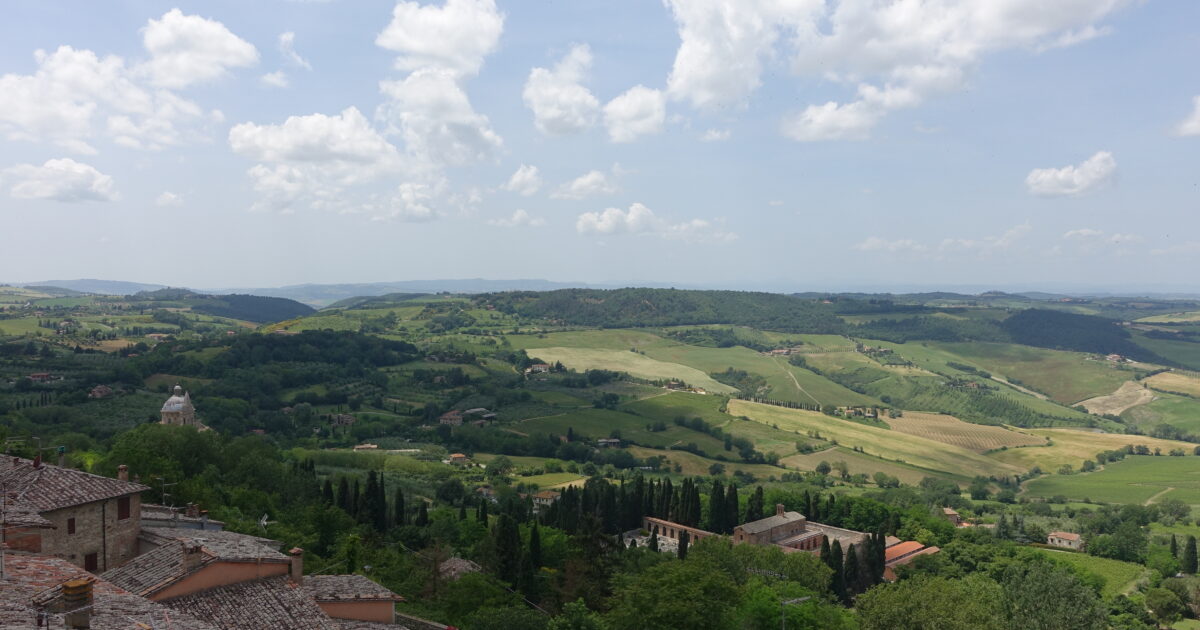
x=176 y=402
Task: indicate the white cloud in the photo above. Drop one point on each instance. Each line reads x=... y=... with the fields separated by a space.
x=287 y=48
x=892 y=54
x=456 y=36
x=525 y=181
x=168 y=199
x=638 y=111
x=716 y=135
x=520 y=218
x=1191 y=125
x=642 y=220
x=59 y=180
x=1072 y=180
x=1090 y=237
x=724 y=44
x=319 y=161
x=981 y=247
x=560 y=103
x=1082 y=233
x=430 y=110
x=275 y=79
x=590 y=184
x=189 y=49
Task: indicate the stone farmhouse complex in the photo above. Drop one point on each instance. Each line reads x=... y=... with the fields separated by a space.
x=1066 y=540
x=81 y=551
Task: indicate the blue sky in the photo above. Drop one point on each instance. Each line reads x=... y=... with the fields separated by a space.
x=784 y=144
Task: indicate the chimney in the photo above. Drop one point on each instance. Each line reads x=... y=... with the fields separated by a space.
x=297 y=568
x=193 y=510
x=123 y=472
x=778 y=509
x=77 y=599
x=193 y=556
x=62 y=459
x=203 y=519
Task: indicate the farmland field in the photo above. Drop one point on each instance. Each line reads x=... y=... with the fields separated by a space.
x=1178 y=411
x=1180 y=382
x=692 y=464
x=600 y=423
x=1186 y=316
x=1129 y=395
x=631 y=362
x=955 y=432
x=1073 y=446
x=1119 y=577
x=859 y=463
x=1181 y=352
x=911 y=449
x=549 y=480
x=1135 y=479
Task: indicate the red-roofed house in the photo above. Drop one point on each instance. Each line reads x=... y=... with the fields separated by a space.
x=1066 y=540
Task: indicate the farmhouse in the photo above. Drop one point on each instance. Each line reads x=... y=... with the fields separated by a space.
x=100 y=391
x=899 y=553
x=1066 y=540
x=459 y=458
x=538 y=368
x=789 y=530
x=451 y=418
x=609 y=443
x=950 y=515
x=545 y=499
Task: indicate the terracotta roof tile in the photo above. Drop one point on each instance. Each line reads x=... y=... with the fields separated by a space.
x=770 y=522
x=330 y=588
x=273 y=603
x=48 y=487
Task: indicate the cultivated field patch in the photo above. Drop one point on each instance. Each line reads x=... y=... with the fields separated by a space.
x=1136 y=479
x=1181 y=382
x=1130 y=394
x=1119 y=577
x=633 y=363
x=858 y=463
x=692 y=464
x=1073 y=446
x=950 y=430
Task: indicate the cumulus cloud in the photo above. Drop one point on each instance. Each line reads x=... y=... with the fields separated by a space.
x=637 y=112
x=982 y=247
x=456 y=36
x=891 y=55
x=590 y=184
x=319 y=160
x=716 y=135
x=525 y=181
x=1091 y=237
x=58 y=180
x=639 y=219
x=168 y=199
x=560 y=103
x=189 y=49
x=287 y=48
x=1072 y=180
x=519 y=218
x=275 y=79
x=1191 y=125
x=76 y=95
x=430 y=110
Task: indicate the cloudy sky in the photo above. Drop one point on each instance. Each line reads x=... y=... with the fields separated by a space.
x=792 y=144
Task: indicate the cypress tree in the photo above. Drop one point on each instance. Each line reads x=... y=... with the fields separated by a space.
x=716 y=508
x=483 y=512
x=1189 y=555
x=1174 y=547
x=653 y=543
x=422 y=515
x=343 y=497
x=398 y=515
x=754 y=505
x=535 y=547
x=731 y=509
x=683 y=545
x=462 y=511
x=836 y=562
x=327 y=492
x=825 y=551
x=506 y=540
x=850 y=574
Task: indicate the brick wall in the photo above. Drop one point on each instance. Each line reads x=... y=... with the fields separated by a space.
x=98 y=530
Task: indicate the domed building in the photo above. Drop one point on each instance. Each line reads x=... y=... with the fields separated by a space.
x=179 y=411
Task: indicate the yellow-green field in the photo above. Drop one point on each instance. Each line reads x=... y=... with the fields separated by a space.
x=553 y=480
x=1172 y=318
x=1181 y=382
x=891 y=444
x=1073 y=446
x=950 y=430
x=1135 y=479
x=1119 y=577
x=633 y=363
x=858 y=463
x=692 y=464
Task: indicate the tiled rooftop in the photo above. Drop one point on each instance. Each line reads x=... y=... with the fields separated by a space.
x=273 y=603
x=155 y=569
x=221 y=544
x=48 y=487
x=29 y=578
x=765 y=524
x=331 y=588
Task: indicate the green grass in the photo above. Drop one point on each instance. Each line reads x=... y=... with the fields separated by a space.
x=675 y=404
x=549 y=480
x=600 y=423
x=917 y=451
x=22 y=326
x=693 y=464
x=1119 y=577
x=1135 y=479
x=635 y=364
x=858 y=463
x=1073 y=446
x=559 y=399
x=1181 y=352
x=1177 y=411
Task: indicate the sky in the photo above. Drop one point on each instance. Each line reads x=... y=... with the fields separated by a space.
x=783 y=144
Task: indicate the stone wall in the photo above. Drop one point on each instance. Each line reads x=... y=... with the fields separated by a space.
x=97 y=530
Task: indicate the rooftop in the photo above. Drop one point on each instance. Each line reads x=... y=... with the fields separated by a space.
x=31 y=580
x=221 y=544
x=45 y=488
x=333 y=588
x=1065 y=535
x=903 y=549
x=273 y=603
x=771 y=522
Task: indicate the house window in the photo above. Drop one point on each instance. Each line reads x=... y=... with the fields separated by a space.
x=91 y=562
x=122 y=508
x=70 y=526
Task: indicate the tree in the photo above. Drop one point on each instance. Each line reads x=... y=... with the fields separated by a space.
x=693 y=595
x=755 y=505
x=716 y=508
x=500 y=466
x=422 y=515
x=576 y=616
x=923 y=602
x=506 y=541
x=683 y=545
x=823 y=467
x=850 y=573
x=717 y=469
x=1040 y=595
x=1189 y=556
x=731 y=509
x=1164 y=605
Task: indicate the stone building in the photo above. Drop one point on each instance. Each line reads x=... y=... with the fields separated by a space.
x=1066 y=540
x=91 y=521
x=786 y=529
x=178 y=410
